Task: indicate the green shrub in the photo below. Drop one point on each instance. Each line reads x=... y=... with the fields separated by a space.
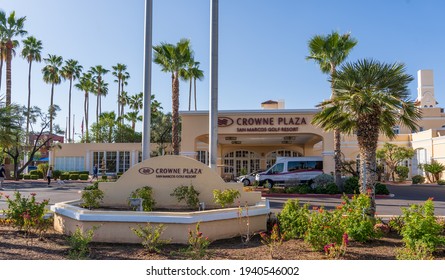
x=26 y=176
x=421 y=232
x=65 y=176
x=418 y=179
x=83 y=177
x=84 y=172
x=352 y=185
x=331 y=188
x=441 y=182
x=225 y=197
x=322 y=180
x=187 y=194
x=92 y=198
x=324 y=229
x=402 y=172
x=396 y=224
x=34 y=177
x=294 y=219
x=27 y=214
x=293 y=189
x=43 y=168
x=304 y=189
x=37 y=173
x=74 y=176
x=104 y=177
x=433 y=170
x=57 y=174
x=151 y=237
x=79 y=244
x=94 y=186
x=381 y=189
x=21 y=176
x=357 y=224
x=146 y=193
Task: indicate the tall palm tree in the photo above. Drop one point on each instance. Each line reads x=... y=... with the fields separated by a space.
x=329 y=52
x=119 y=72
x=2 y=55
x=191 y=74
x=52 y=75
x=123 y=100
x=370 y=98
x=71 y=71
x=86 y=85
x=136 y=101
x=172 y=59
x=31 y=51
x=98 y=72
x=133 y=117
x=10 y=27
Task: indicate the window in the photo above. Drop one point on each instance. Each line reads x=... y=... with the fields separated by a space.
x=124 y=161
x=272 y=157
x=277 y=168
x=396 y=129
x=106 y=161
x=202 y=156
x=241 y=161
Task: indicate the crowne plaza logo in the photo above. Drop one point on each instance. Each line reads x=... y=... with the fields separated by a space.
x=225 y=121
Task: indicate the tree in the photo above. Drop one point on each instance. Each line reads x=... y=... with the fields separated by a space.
x=71 y=71
x=31 y=51
x=86 y=85
x=99 y=86
x=105 y=128
x=10 y=27
x=119 y=73
x=16 y=148
x=173 y=59
x=191 y=74
x=52 y=75
x=161 y=131
x=433 y=170
x=123 y=100
x=329 y=52
x=370 y=98
x=393 y=155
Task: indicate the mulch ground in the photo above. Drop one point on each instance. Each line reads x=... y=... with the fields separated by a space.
x=14 y=245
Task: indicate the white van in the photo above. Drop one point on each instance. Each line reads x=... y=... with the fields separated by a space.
x=288 y=169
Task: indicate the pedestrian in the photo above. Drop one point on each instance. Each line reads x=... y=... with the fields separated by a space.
x=2 y=175
x=95 y=170
x=49 y=174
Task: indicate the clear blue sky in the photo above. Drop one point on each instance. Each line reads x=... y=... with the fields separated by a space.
x=262 y=45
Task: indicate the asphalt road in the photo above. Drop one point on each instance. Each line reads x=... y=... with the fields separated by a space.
x=403 y=196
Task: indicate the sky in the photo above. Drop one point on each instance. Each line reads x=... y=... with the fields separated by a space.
x=262 y=46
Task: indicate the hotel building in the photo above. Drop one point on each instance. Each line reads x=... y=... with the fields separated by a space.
x=250 y=140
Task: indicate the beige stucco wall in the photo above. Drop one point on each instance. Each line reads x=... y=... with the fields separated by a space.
x=184 y=172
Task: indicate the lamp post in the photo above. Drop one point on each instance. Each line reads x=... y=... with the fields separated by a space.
x=213 y=106
x=148 y=34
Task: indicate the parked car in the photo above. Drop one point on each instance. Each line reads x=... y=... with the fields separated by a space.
x=248 y=179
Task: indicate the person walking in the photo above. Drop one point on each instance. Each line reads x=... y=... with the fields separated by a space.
x=49 y=175
x=2 y=176
x=95 y=170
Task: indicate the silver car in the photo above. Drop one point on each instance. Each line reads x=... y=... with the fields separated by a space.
x=247 y=179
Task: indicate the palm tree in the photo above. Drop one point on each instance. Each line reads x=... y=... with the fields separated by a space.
x=10 y=27
x=172 y=59
x=98 y=72
x=123 y=100
x=329 y=52
x=370 y=98
x=191 y=74
x=133 y=117
x=71 y=71
x=119 y=72
x=136 y=101
x=2 y=55
x=52 y=75
x=31 y=52
x=86 y=85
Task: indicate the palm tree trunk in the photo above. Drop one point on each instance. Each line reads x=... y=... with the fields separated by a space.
x=190 y=94
x=29 y=104
x=337 y=159
x=195 y=93
x=69 y=112
x=118 y=96
x=51 y=111
x=367 y=137
x=175 y=113
x=8 y=72
x=86 y=109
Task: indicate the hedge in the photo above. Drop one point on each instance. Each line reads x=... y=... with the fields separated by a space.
x=34 y=177
x=83 y=177
x=74 y=176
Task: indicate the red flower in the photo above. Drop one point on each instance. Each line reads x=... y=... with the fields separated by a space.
x=431 y=198
x=339 y=207
x=33 y=194
x=314 y=208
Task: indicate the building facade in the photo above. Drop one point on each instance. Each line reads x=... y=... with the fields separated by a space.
x=251 y=140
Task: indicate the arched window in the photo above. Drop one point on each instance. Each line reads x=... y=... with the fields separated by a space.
x=241 y=161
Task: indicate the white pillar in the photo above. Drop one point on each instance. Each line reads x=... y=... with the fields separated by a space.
x=213 y=106
x=147 y=79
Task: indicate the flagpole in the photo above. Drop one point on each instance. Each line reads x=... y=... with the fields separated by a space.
x=148 y=34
